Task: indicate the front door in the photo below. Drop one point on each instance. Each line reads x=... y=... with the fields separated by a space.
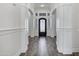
x=42 y=27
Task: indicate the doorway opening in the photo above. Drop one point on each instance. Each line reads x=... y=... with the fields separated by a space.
x=42 y=27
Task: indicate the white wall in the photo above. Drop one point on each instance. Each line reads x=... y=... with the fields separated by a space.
x=68 y=28
x=59 y=25
x=64 y=29
x=31 y=31
x=10 y=29
x=75 y=19
x=8 y=15
x=53 y=23
x=24 y=26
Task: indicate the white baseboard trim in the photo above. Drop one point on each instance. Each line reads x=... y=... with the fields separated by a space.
x=60 y=50
x=18 y=53
x=75 y=50
x=52 y=36
x=21 y=50
x=67 y=52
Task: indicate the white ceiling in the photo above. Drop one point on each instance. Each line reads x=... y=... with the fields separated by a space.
x=42 y=6
x=37 y=6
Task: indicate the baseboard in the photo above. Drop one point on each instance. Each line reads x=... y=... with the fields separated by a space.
x=52 y=36
x=32 y=36
x=18 y=53
x=22 y=52
x=59 y=50
x=67 y=52
x=75 y=49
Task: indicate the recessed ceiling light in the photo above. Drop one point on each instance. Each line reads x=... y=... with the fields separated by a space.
x=42 y=5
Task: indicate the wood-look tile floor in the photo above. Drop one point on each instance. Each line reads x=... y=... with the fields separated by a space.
x=43 y=46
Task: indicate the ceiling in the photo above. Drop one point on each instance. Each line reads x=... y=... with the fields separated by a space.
x=39 y=6
x=42 y=6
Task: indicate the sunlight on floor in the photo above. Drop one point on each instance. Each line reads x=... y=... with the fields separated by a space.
x=42 y=46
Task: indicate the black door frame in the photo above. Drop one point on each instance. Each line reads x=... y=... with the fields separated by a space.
x=43 y=33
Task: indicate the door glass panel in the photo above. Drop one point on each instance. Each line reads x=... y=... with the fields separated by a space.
x=42 y=25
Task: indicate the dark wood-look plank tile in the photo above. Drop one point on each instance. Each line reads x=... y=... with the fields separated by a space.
x=43 y=46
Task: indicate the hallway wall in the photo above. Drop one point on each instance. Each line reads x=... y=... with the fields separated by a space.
x=30 y=21
x=53 y=23
x=75 y=19
x=64 y=29
x=68 y=28
x=10 y=29
x=25 y=29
